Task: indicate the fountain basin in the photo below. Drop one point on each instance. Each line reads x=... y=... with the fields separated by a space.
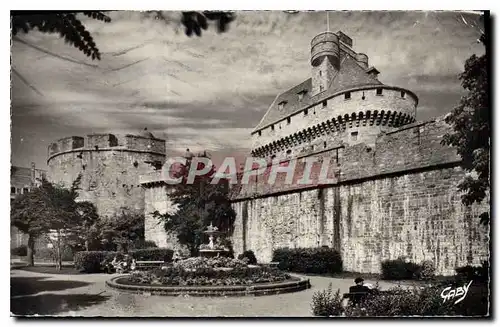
x=293 y=284
x=209 y=253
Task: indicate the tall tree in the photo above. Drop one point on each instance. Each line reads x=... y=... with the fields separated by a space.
x=199 y=204
x=48 y=208
x=87 y=231
x=471 y=122
x=122 y=230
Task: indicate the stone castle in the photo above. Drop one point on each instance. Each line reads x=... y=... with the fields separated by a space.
x=110 y=165
x=393 y=189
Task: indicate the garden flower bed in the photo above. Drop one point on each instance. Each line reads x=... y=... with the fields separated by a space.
x=210 y=277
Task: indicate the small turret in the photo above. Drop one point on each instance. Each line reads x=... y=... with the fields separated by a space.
x=325 y=60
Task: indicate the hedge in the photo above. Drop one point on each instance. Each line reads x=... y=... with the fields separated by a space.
x=90 y=261
x=152 y=254
x=20 y=251
x=399 y=269
x=476 y=273
x=250 y=256
x=308 y=260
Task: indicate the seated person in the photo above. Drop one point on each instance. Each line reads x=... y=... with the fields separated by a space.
x=359 y=291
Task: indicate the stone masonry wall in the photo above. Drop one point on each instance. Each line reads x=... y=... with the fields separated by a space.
x=110 y=179
x=360 y=101
x=416 y=215
x=397 y=198
x=156 y=199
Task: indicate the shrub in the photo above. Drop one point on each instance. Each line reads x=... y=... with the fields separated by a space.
x=152 y=254
x=476 y=273
x=20 y=251
x=142 y=244
x=250 y=256
x=308 y=260
x=90 y=261
x=51 y=254
x=425 y=271
x=399 y=269
x=325 y=303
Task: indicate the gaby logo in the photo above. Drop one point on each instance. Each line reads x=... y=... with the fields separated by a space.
x=449 y=293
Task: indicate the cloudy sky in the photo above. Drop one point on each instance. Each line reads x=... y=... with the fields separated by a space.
x=209 y=92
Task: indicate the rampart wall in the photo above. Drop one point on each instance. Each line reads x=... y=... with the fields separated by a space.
x=396 y=198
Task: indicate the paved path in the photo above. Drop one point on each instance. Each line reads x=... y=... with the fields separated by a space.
x=87 y=295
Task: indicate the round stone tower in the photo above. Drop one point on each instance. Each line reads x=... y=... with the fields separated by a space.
x=343 y=103
x=110 y=166
x=325 y=60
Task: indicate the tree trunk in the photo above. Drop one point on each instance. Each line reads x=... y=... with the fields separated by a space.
x=31 y=252
x=86 y=245
x=58 y=251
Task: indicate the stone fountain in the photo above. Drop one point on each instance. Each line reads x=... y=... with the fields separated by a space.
x=211 y=249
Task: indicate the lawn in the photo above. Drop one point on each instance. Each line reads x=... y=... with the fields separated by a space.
x=52 y=270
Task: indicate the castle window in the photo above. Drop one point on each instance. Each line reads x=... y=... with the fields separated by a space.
x=324 y=104
x=288 y=120
x=273 y=156
x=18 y=190
x=260 y=133
x=321 y=88
x=363 y=97
x=25 y=190
x=347 y=95
x=379 y=91
x=354 y=136
x=12 y=190
x=281 y=105
x=403 y=93
x=301 y=94
x=272 y=127
x=324 y=144
x=305 y=112
x=288 y=151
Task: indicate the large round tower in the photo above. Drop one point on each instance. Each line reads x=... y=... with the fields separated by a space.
x=110 y=166
x=343 y=103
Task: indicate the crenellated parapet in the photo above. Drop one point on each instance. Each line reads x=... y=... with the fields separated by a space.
x=410 y=147
x=106 y=142
x=366 y=112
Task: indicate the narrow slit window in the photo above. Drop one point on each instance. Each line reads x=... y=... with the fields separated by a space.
x=347 y=95
x=403 y=94
x=288 y=120
x=324 y=104
x=12 y=190
x=321 y=88
x=324 y=144
x=260 y=133
x=379 y=91
x=272 y=127
x=354 y=136
x=305 y=112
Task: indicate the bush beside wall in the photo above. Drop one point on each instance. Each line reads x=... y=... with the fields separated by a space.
x=20 y=251
x=152 y=254
x=308 y=260
x=250 y=256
